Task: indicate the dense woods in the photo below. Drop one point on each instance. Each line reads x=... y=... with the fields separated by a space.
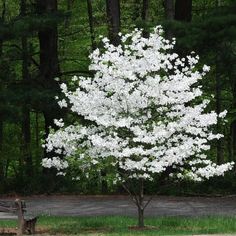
x=42 y=40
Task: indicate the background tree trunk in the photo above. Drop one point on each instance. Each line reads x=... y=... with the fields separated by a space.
x=26 y=131
x=219 y=150
x=233 y=139
x=91 y=24
x=183 y=10
x=49 y=70
x=169 y=9
x=233 y=126
x=2 y=166
x=49 y=65
x=169 y=15
x=144 y=15
x=68 y=8
x=113 y=17
x=136 y=11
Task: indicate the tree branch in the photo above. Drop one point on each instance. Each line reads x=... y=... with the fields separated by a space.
x=132 y=196
x=149 y=200
x=89 y=73
x=30 y=57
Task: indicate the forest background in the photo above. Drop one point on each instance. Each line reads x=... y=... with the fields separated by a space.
x=41 y=40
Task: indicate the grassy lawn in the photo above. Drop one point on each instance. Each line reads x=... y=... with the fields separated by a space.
x=114 y=225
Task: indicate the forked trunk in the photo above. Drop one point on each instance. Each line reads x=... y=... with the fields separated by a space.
x=137 y=195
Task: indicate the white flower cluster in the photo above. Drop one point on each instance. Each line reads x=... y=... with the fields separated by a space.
x=55 y=162
x=140 y=105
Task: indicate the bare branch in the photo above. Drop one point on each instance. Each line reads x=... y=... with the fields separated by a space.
x=132 y=196
x=3 y=10
x=149 y=200
x=30 y=57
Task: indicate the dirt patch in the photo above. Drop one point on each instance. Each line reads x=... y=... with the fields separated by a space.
x=147 y=227
x=13 y=231
x=97 y=230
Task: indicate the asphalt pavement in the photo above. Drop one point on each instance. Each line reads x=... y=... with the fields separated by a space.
x=123 y=205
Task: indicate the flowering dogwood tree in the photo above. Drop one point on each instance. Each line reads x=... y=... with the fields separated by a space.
x=145 y=115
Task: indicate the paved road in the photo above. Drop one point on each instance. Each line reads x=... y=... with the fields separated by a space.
x=122 y=205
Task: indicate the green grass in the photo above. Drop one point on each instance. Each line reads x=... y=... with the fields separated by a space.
x=115 y=225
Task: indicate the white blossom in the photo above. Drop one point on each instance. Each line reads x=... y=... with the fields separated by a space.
x=142 y=113
x=55 y=162
x=223 y=114
x=62 y=103
x=59 y=122
x=74 y=78
x=206 y=68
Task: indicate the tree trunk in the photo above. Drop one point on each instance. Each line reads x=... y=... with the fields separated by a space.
x=113 y=17
x=140 y=218
x=233 y=140
x=136 y=12
x=49 y=70
x=2 y=166
x=233 y=126
x=145 y=10
x=169 y=9
x=48 y=41
x=169 y=15
x=49 y=65
x=136 y=192
x=68 y=8
x=91 y=25
x=26 y=132
x=141 y=204
x=219 y=150
x=2 y=169
x=144 y=15
x=26 y=138
x=1 y=140
x=104 y=187
x=37 y=130
x=183 y=10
